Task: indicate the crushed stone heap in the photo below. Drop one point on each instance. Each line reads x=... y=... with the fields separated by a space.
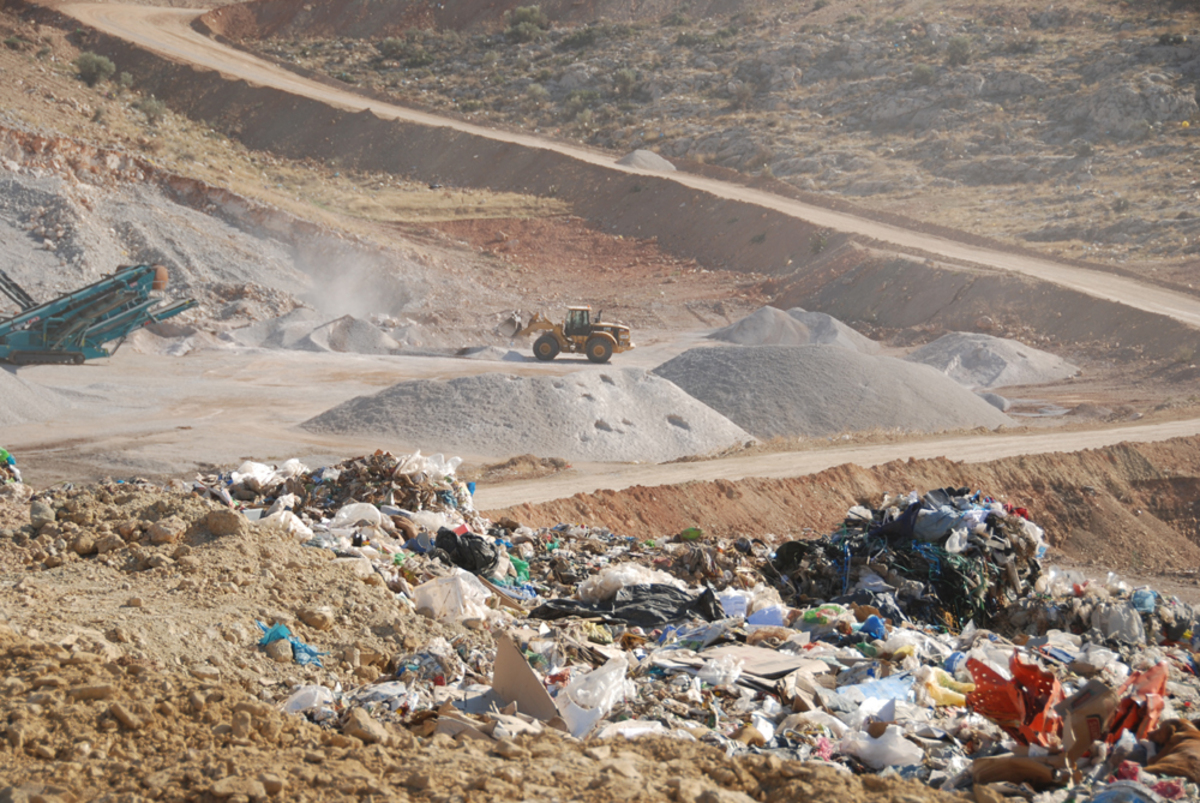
x=984 y=361
x=770 y=326
x=614 y=415
x=823 y=390
x=23 y=402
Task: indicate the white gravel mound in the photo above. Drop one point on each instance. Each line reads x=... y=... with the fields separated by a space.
x=770 y=326
x=351 y=335
x=825 y=390
x=984 y=361
x=24 y=402
x=645 y=160
x=601 y=415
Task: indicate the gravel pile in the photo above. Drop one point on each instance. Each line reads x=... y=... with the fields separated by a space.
x=614 y=415
x=770 y=326
x=349 y=334
x=824 y=390
x=645 y=160
x=23 y=401
x=984 y=361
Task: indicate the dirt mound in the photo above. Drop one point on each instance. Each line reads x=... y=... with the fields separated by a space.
x=1131 y=506
x=107 y=724
x=771 y=326
x=606 y=415
x=983 y=361
x=646 y=160
x=824 y=390
x=23 y=401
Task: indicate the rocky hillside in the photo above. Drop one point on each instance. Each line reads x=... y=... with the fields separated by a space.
x=1067 y=128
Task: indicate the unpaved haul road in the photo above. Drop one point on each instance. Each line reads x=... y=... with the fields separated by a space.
x=168 y=33
x=969 y=449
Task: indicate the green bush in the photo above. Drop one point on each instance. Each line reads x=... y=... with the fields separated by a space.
x=526 y=24
x=125 y=81
x=392 y=48
x=153 y=108
x=537 y=94
x=580 y=38
x=625 y=80
x=94 y=68
x=579 y=100
x=958 y=51
x=923 y=75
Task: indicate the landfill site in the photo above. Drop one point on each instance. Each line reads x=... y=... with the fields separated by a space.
x=372 y=427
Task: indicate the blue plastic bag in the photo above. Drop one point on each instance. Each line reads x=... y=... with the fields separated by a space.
x=302 y=653
x=874 y=627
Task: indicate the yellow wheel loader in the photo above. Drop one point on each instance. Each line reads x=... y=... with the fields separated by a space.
x=578 y=334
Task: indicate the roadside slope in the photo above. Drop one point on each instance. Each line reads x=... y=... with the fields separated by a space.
x=167 y=33
x=1128 y=505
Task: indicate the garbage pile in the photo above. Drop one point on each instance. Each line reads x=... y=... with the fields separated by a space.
x=922 y=639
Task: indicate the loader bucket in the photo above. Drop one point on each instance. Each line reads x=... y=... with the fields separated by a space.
x=509 y=327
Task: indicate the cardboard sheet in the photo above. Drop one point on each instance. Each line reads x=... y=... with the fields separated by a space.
x=515 y=681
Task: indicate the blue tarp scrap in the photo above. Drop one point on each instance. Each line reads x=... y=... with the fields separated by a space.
x=303 y=654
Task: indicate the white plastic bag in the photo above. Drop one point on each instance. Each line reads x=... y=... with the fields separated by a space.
x=603 y=586
x=453 y=598
x=351 y=514
x=292 y=523
x=723 y=671
x=307 y=698
x=586 y=699
x=890 y=750
x=282 y=503
x=957 y=541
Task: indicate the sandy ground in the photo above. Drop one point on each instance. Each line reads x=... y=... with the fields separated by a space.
x=167 y=32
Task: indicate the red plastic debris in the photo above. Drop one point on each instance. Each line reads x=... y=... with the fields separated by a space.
x=1024 y=706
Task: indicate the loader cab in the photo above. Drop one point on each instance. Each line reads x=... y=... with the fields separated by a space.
x=579 y=322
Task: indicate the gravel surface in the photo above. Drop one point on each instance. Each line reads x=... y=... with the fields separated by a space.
x=824 y=390
x=23 y=401
x=984 y=361
x=595 y=415
x=770 y=326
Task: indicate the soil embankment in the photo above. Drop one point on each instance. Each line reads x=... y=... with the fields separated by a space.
x=1130 y=505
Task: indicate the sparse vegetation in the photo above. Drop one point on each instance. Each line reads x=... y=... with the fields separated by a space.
x=125 y=81
x=958 y=51
x=526 y=24
x=152 y=108
x=94 y=68
x=580 y=38
x=15 y=43
x=923 y=75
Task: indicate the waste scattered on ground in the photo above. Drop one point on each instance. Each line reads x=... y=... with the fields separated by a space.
x=923 y=642
x=824 y=390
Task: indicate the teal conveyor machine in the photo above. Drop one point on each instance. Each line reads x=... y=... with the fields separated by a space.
x=74 y=327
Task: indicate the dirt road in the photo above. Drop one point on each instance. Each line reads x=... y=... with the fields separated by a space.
x=969 y=449
x=167 y=32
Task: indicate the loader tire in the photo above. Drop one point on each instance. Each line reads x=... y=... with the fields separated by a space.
x=546 y=348
x=599 y=349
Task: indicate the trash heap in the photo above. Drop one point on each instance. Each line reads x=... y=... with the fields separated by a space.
x=922 y=639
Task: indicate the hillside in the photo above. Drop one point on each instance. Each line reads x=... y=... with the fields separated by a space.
x=1068 y=130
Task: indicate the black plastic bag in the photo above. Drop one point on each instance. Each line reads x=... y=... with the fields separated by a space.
x=640 y=606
